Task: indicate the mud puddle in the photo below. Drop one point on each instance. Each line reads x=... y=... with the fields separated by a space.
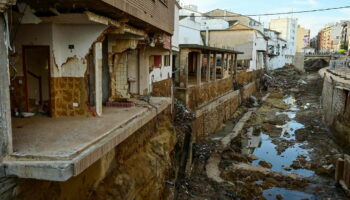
x=266 y=150
x=274 y=193
x=284 y=151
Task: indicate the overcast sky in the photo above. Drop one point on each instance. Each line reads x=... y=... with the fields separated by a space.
x=314 y=21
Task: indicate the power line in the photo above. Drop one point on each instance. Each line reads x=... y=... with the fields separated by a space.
x=270 y=14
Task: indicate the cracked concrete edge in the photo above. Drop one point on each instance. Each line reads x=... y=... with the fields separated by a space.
x=61 y=171
x=41 y=170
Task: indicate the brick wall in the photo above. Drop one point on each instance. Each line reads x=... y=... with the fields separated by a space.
x=212 y=119
x=162 y=88
x=248 y=77
x=199 y=96
x=119 y=78
x=66 y=91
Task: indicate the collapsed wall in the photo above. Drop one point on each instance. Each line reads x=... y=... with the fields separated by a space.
x=136 y=169
x=336 y=106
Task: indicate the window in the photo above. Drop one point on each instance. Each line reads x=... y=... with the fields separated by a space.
x=167 y=60
x=155 y=61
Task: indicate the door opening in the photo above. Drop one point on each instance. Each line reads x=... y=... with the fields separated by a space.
x=36 y=65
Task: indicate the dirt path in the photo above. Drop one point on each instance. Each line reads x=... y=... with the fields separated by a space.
x=279 y=150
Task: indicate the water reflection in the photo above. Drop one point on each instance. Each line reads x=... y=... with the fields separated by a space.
x=287 y=194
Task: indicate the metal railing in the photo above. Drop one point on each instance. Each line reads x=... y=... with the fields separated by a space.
x=340 y=68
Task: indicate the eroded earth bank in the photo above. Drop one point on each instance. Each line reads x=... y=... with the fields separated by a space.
x=275 y=147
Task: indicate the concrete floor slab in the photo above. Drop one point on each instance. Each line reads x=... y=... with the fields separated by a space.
x=73 y=143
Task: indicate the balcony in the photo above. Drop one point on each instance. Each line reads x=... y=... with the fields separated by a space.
x=57 y=149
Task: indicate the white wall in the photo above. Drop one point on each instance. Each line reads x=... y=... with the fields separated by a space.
x=190 y=32
x=159 y=73
x=214 y=24
x=176 y=35
x=288 y=29
x=82 y=37
x=274 y=60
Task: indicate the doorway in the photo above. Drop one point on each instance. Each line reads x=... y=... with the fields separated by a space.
x=36 y=69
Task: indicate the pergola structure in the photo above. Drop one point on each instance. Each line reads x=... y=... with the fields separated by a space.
x=199 y=64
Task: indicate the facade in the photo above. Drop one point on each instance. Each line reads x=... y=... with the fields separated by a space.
x=288 y=29
x=251 y=42
x=276 y=50
x=87 y=91
x=235 y=18
x=334 y=37
x=303 y=39
x=190 y=25
x=192 y=22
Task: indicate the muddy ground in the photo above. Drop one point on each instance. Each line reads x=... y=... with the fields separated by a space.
x=283 y=151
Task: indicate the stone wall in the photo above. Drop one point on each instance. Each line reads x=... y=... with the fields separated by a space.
x=199 y=96
x=162 y=88
x=136 y=169
x=213 y=116
x=249 y=89
x=64 y=92
x=67 y=91
x=244 y=77
x=336 y=106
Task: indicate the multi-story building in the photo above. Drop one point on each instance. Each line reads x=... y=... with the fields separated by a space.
x=235 y=18
x=88 y=84
x=303 y=39
x=288 y=29
x=251 y=42
x=276 y=50
x=192 y=22
x=334 y=37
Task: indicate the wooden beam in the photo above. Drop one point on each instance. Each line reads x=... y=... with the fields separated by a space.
x=208 y=67
x=199 y=68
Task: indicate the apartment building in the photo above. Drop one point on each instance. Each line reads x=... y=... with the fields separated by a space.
x=276 y=50
x=302 y=39
x=288 y=29
x=251 y=42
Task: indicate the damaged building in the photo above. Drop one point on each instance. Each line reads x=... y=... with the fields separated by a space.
x=245 y=39
x=88 y=85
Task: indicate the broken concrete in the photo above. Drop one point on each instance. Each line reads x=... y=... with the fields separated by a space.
x=59 y=161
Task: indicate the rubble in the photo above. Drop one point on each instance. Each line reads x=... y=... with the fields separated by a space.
x=265 y=164
x=304 y=152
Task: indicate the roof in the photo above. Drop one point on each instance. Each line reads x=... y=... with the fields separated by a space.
x=232 y=13
x=267 y=29
x=208 y=48
x=282 y=39
x=241 y=28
